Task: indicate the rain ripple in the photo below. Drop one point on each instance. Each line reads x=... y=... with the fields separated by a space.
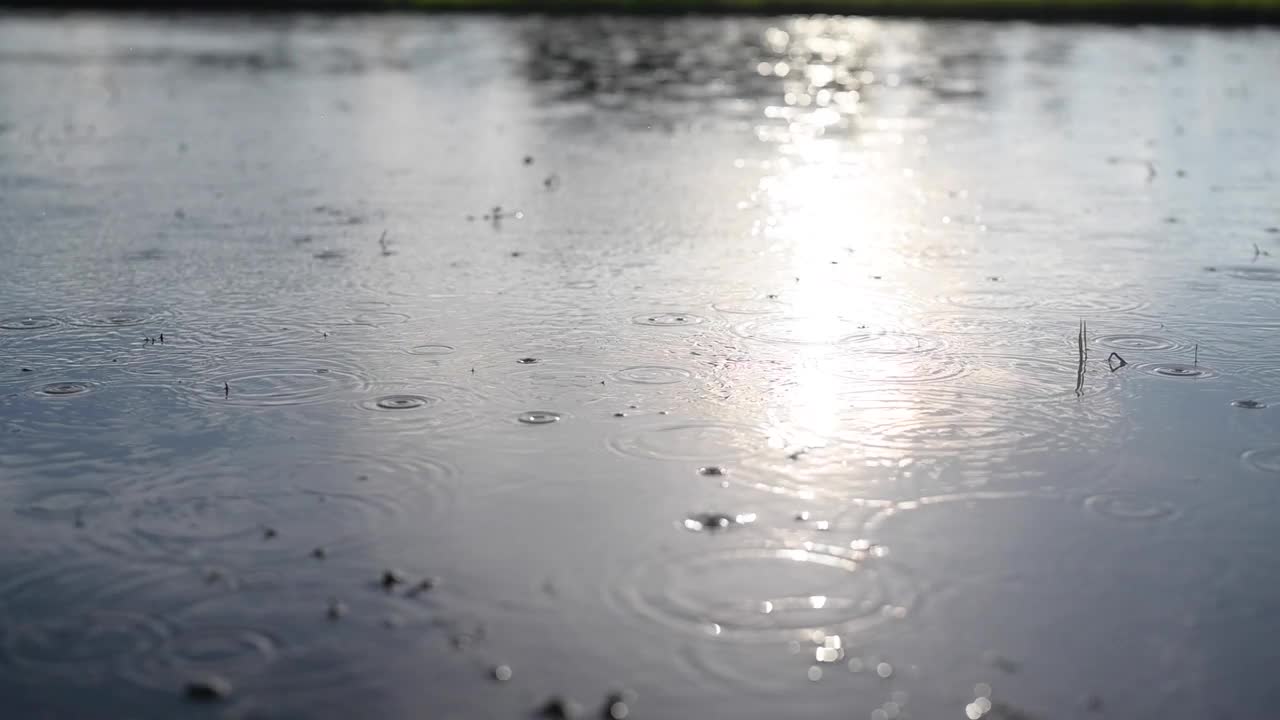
x=770 y=590
x=693 y=441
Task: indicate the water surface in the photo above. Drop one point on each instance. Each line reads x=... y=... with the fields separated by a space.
x=439 y=367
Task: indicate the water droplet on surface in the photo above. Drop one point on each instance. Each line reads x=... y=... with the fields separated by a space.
x=668 y=319
x=211 y=688
x=392 y=578
x=717 y=521
x=538 y=417
x=559 y=708
x=403 y=402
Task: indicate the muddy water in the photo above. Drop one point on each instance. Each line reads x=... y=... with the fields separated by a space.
x=412 y=367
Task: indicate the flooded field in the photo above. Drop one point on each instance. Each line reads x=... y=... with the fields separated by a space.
x=409 y=367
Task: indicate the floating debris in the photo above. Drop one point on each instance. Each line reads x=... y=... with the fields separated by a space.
x=713 y=471
x=1249 y=404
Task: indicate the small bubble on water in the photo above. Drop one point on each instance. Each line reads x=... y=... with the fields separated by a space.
x=884 y=669
x=815 y=673
x=527 y=360
x=501 y=673
x=538 y=417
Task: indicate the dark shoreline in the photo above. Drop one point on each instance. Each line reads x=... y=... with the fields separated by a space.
x=1148 y=12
